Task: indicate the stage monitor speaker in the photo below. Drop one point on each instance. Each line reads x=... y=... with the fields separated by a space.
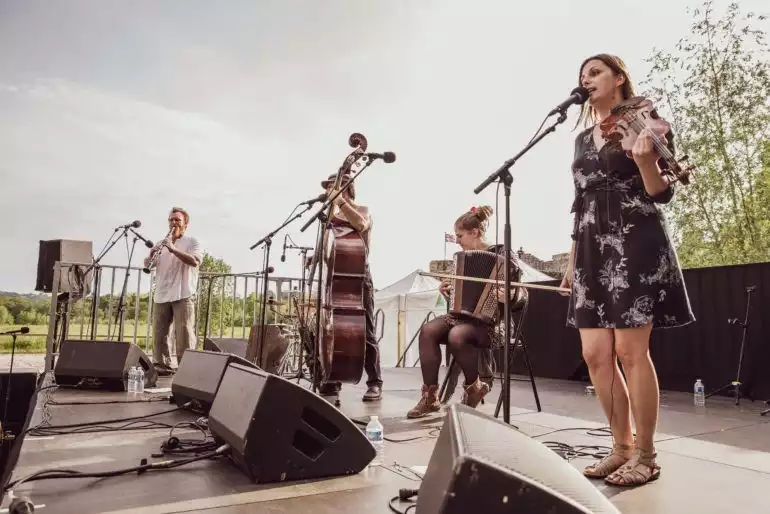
x=101 y=364
x=280 y=431
x=21 y=389
x=227 y=345
x=275 y=349
x=198 y=376
x=481 y=464
x=73 y=279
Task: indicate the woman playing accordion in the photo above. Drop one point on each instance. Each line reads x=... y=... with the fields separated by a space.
x=464 y=333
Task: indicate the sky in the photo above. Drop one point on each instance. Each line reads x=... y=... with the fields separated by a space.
x=112 y=111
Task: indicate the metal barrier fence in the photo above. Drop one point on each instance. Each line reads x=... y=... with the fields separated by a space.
x=237 y=314
x=80 y=310
x=81 y=300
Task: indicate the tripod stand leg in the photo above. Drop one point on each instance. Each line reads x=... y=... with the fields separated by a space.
x=531 y=375
x=736 y=384
x=503 y=382
x=528 y=363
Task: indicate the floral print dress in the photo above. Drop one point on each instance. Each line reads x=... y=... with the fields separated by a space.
x=626 y=273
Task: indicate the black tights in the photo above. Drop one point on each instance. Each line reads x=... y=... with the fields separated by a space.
x=462 y=342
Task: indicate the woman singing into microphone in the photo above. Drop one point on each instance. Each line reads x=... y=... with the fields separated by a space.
x=463 y=336
x=623 y=272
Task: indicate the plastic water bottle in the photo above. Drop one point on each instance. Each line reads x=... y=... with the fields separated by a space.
x=139 y=388
x=132 y=380
x=374 y=433
x=700 y=393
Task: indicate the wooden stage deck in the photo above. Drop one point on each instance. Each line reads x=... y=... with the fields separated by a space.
x=713 y=460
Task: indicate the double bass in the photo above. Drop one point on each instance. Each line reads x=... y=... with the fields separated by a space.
x=342 y=342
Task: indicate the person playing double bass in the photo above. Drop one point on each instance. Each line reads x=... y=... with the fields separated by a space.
x=351 y=216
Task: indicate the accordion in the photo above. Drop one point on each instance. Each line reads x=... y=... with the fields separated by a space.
x=476 y=299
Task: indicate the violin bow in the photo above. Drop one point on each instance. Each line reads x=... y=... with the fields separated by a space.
x=498 y=282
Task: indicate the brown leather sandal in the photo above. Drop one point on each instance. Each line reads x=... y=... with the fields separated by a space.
x=608 y=464
x=639 y=470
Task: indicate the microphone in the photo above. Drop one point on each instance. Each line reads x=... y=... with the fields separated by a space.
x=283 y=255
x=133 y=224
x=388 y=157
x=578 y=96
x=147 y=242
x=320 y=198
x=22 y=330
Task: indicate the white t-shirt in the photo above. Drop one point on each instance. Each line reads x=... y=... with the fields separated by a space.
x=175 y=280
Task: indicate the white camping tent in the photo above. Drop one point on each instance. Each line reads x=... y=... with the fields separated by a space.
x=530 y=274
x=407 y=302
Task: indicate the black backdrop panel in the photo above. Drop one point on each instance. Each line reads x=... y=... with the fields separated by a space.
x=708 y=348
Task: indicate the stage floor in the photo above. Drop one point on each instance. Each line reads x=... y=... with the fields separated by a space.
x=715 y=459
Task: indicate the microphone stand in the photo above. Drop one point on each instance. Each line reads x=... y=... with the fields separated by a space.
x=8 y=387
x=268 y=241
x=324 y=217
x=303 y=256
x=121 y=310
x=97 y=278
x=503 y=174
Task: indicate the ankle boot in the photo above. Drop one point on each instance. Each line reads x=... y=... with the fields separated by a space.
x=474 y=393
x=428 y=403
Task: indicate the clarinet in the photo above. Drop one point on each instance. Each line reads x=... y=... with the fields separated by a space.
x=156 y=255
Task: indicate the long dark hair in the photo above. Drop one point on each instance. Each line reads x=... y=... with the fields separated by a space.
x=618 y=67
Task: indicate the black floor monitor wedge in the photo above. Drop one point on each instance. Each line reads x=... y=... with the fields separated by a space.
x=280 y=431
x=198 y=376
x=483 y=465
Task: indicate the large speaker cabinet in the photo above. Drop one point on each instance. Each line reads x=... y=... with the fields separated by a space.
x=73 y=279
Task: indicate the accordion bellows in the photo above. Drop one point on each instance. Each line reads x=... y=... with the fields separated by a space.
x=476 y=299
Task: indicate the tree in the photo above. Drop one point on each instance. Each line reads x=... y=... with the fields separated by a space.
x=5 y=317
x=212 y=286
x=716 y=86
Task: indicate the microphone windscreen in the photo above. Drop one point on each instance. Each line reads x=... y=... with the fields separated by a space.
x=389 y=157
x=24 y=330
x=136 y=224
x=582 y=93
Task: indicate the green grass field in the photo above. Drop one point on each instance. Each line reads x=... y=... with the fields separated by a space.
x=34 y=342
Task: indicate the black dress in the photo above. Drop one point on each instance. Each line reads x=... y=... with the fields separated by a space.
x=626 y=272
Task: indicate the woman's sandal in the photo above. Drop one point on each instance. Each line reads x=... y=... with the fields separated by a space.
x=639 y=470
x=608 y=464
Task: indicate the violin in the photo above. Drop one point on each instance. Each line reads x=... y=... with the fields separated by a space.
x=342 y=342
x=629 y=118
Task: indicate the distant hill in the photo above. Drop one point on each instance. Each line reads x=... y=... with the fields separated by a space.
x=28 y=296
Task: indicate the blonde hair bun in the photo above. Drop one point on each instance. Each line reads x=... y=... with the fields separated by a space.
x=484 y=212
